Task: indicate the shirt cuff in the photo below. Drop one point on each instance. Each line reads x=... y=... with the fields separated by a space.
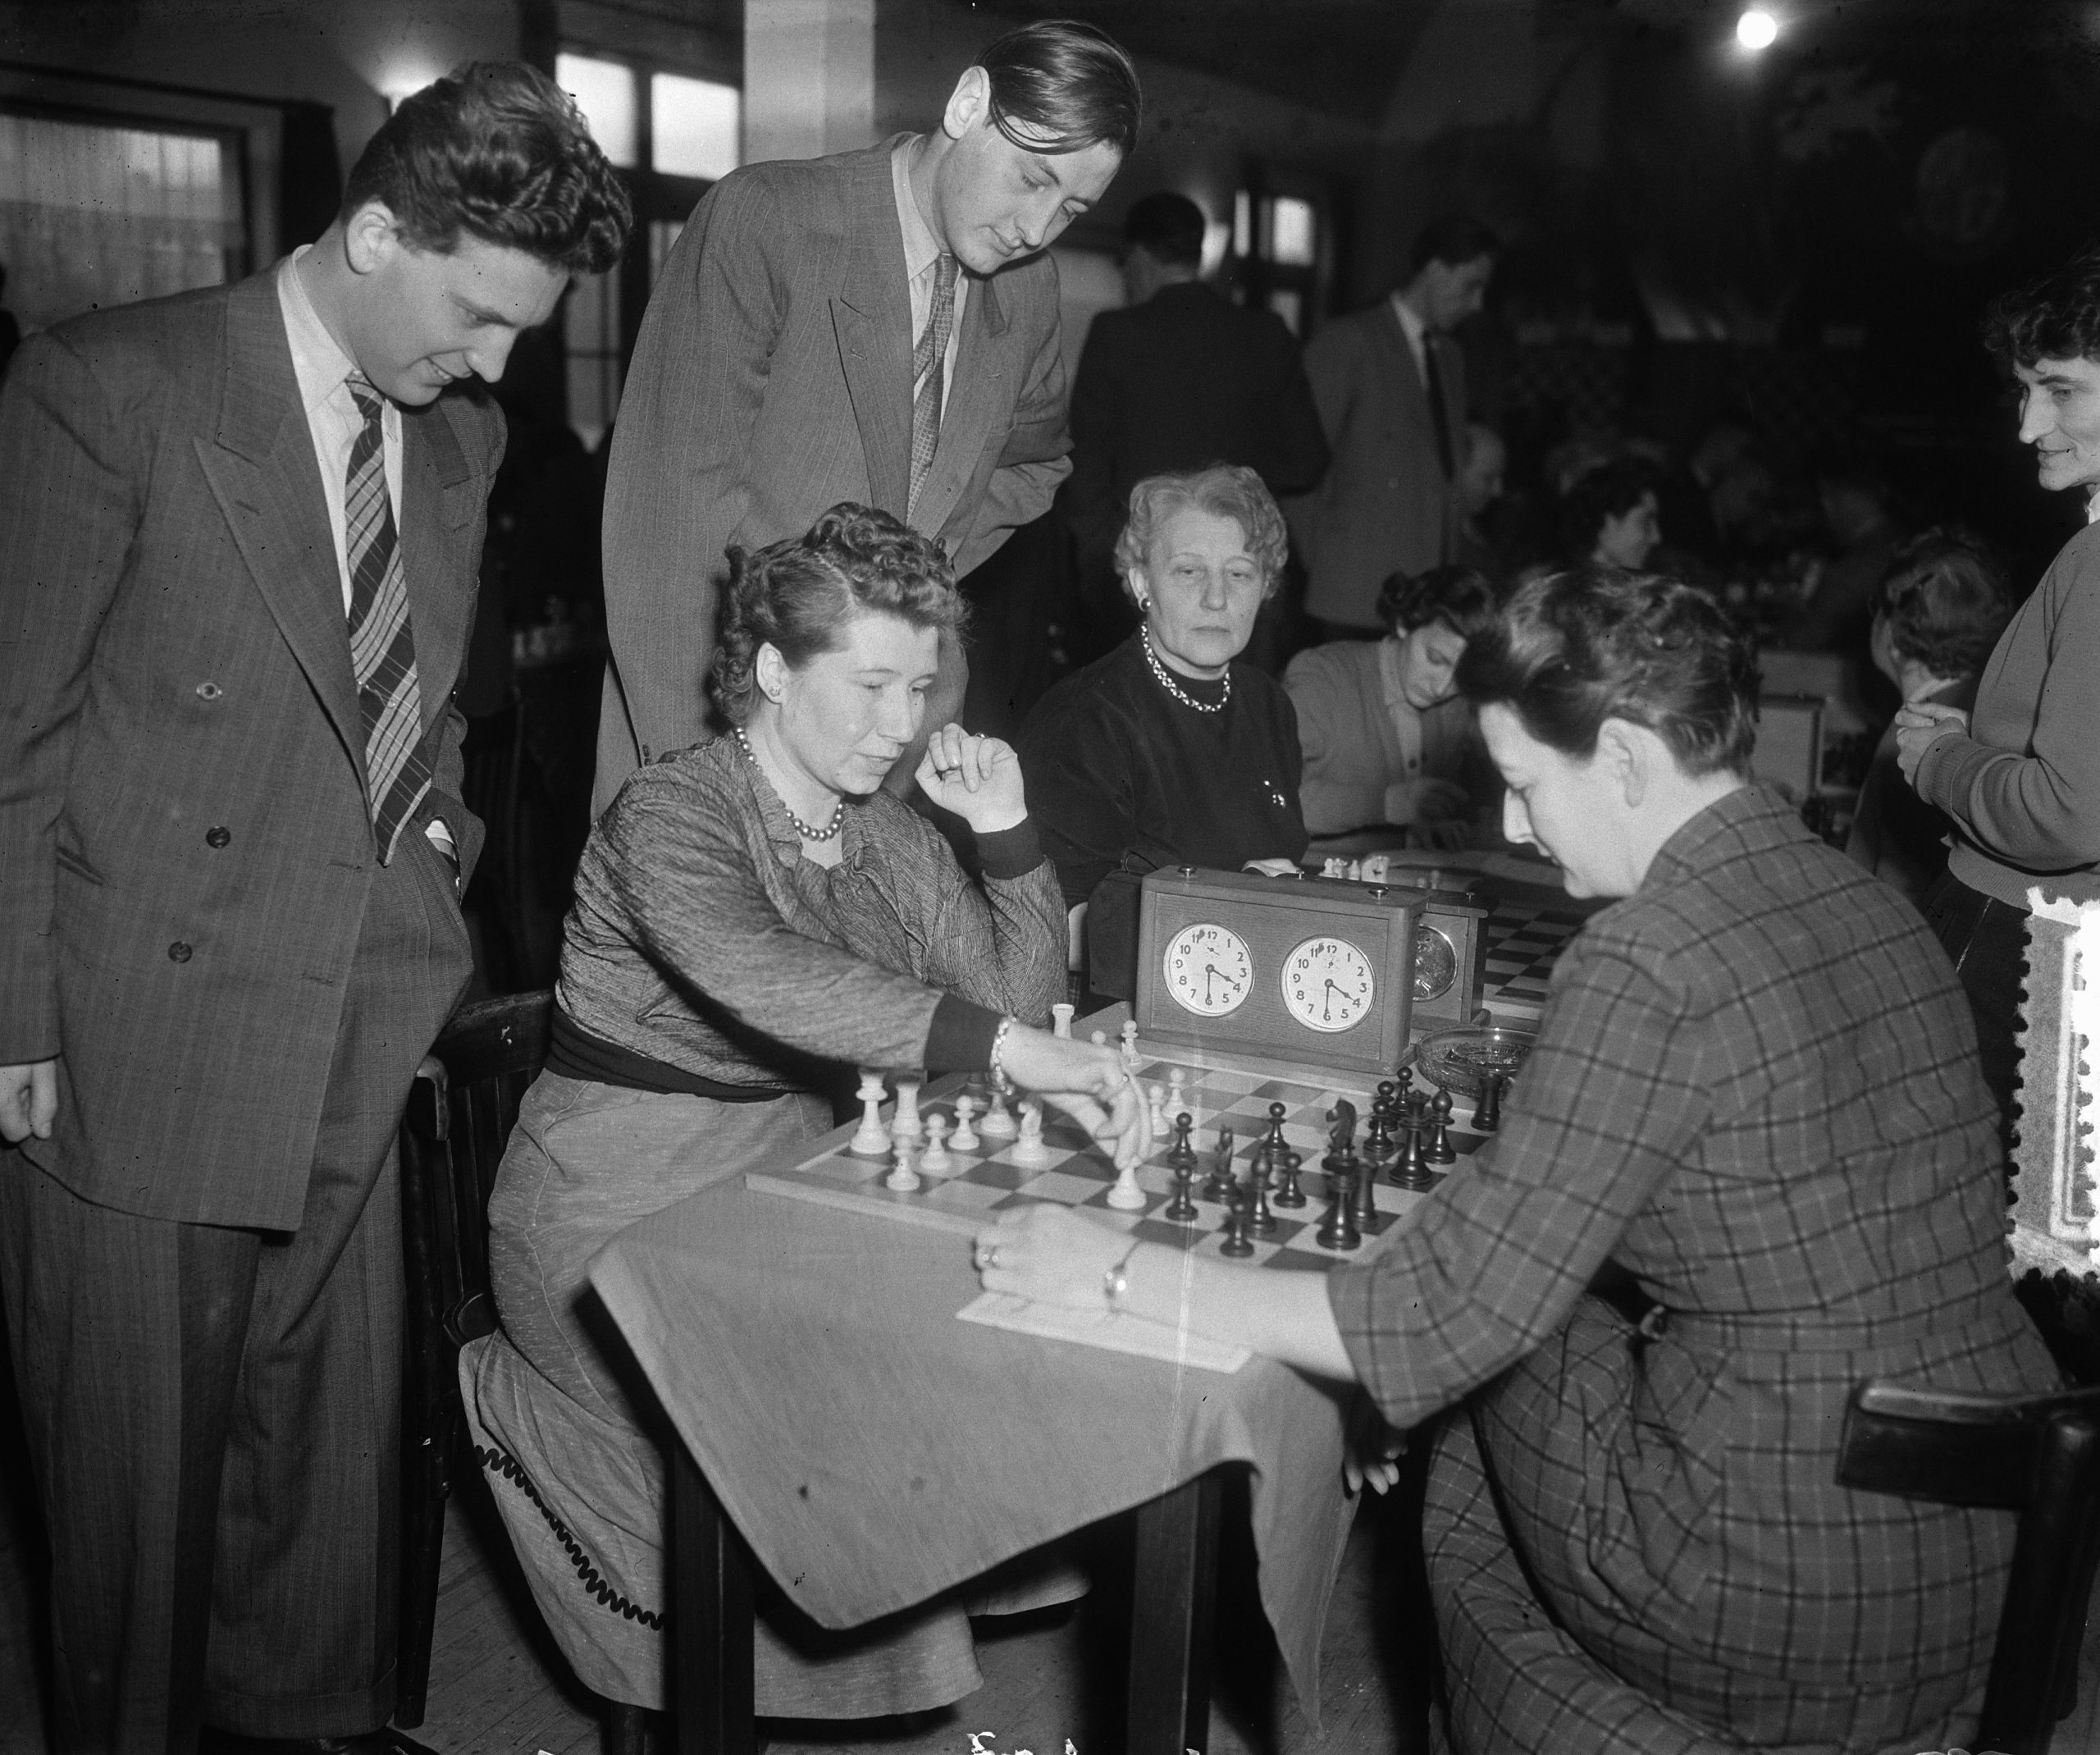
x=1011 y=852
x=959 y=1039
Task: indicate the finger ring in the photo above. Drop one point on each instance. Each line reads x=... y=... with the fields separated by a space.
x=992 y=1256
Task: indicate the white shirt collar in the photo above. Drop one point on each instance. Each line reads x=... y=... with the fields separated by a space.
x=317 y=358
x=1411 y=326
x=921 y=247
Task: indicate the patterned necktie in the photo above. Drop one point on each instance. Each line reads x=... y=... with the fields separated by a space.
x=382 y=645
x=928 y=360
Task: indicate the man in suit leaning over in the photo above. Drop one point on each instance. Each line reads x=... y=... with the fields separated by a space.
x=1390 y=384
x=240 y=530
x=878 y=326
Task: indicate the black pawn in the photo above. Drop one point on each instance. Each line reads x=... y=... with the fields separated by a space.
x=1261 y=1219
x=1404 y=1092
x=1272 y=1136
x=1338 y=1229
x=1440 y=1151
x=1236 y=1239
x=1290 y=1195
x=1182 y=1152
x=1181 y=1207
x=1363 y=1200
x=1412 y=1168
x=1378 y=1137
x=1487 y=1113
x=1219 y=1184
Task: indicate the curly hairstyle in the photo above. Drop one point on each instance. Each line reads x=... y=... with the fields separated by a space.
x=1225 y=489
x=798 y=595
x=498 y=152
x=1574 y=649
x=1462 y=598
x=1061 y=86
x=1944 y=601
x=2055 y=316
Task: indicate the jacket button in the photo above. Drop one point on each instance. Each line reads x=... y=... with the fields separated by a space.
x=209 y=691
x=178 y=952
x=217 y=837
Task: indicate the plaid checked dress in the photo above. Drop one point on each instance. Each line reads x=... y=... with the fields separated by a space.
x=1756 y=1085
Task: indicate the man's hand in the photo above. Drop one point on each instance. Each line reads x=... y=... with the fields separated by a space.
x=1920 y=724
x=28 y=1100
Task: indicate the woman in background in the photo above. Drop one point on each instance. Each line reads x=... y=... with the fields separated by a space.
x=1388 y=740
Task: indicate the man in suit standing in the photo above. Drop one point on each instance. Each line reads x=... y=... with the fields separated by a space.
x=1179 y=378
x=240 y=531
x=878 y=326
x=1391 y=388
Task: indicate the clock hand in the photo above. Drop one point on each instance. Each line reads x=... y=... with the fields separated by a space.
x=1326 y=1007
x=1210 y=968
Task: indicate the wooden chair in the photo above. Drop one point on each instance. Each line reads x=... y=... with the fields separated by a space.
x=2038 y=1456
x=459 y=1116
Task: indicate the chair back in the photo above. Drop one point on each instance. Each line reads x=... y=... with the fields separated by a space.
x=2038 y=1456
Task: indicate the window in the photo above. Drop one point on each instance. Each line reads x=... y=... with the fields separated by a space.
x=1282 y=252
x=672 y=134
x=97 y=210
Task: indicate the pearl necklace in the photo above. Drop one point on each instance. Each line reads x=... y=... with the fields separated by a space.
x=802 y=829
x=1167 y=683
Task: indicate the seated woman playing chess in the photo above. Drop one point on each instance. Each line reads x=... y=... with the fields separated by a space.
x=1166 y=752
x=1756 y=1089
x=754 y=917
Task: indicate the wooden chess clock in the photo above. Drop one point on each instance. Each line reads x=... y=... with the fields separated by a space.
x=1319 y=973
x=1450 y=957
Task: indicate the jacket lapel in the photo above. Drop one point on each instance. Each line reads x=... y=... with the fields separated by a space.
x=1412 y=390
x=871 y=312
x=977 y=395
x=261 y=465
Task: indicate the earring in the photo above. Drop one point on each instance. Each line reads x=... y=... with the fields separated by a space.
x=1144 y=605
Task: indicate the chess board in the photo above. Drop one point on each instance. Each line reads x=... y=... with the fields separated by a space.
x=1523 y=940
x=988 y=1182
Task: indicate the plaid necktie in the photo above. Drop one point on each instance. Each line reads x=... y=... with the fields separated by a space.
x=382 y=646
x=928 y=360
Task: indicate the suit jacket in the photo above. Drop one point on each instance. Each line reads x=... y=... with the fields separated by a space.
x=1386 y=505
x=185 y=851
x=1185 y=379
x=772 y=380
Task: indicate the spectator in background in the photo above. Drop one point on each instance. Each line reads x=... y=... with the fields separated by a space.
x=1391 y=385
x=1386 y=738
x=2020 y=781
x=1937 y=613
x=1610 y=517
x=1856 y=497
x=1482 y=474
x=1179 y=378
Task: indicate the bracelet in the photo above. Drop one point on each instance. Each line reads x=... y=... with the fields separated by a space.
x=1116 y=1281
x=996 y=1060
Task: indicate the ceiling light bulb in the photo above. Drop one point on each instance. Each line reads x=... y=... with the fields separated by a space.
x=1757 y=29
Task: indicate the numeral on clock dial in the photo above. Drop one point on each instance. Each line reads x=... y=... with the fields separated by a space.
x=1207 y=970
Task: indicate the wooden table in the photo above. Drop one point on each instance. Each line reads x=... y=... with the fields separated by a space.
x=1030 y=1440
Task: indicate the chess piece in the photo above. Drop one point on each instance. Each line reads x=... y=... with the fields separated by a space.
x=998 y=1123
x=1261 y=1220
x=1219 y=1184
x=1273 y=1135
x=871 y=1139
x=1029 y=1150
x=1411 y=1169
x=1131 y=1059
x=1439 y=1150
x=1341 y=1134
x=905 y=1124
x=1182 y=1151
x=1378 y=1137
x=1126 y=1196
x=1156 y=1109
x=1060 y=1020
x=1402 y=1084
x=965 y=1137
x=1099 y=1039
x=1177 y=1091
x=1290 y=1195
x=1182 y=1208
x=1363 y=1198
x=1236 y=1239
x=937 y=1160
x=1338 y=1229
x=902 y=1177
x=1487 y=1111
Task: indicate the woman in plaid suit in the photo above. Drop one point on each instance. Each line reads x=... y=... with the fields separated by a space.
x=1756 y=1089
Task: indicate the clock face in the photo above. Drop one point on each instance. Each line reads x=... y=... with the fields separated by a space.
x=1208 y=971
x=1436 y=964
x=1327 y=984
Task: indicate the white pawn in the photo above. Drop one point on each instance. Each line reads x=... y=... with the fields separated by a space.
x=905 y=1124
x=1130 y=1060
x=1177 y=1096
x=997 y=1124
x=1155 y=1111
x=902 y=1177
x=1029 y=1149
x=937 y=1161
x=872 y=1139
x=1126 y=1196
x=1099 y=1039
x=965 y=1138
x=1060 y=1020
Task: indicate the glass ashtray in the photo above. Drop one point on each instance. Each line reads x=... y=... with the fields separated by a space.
x=1460 y=1060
